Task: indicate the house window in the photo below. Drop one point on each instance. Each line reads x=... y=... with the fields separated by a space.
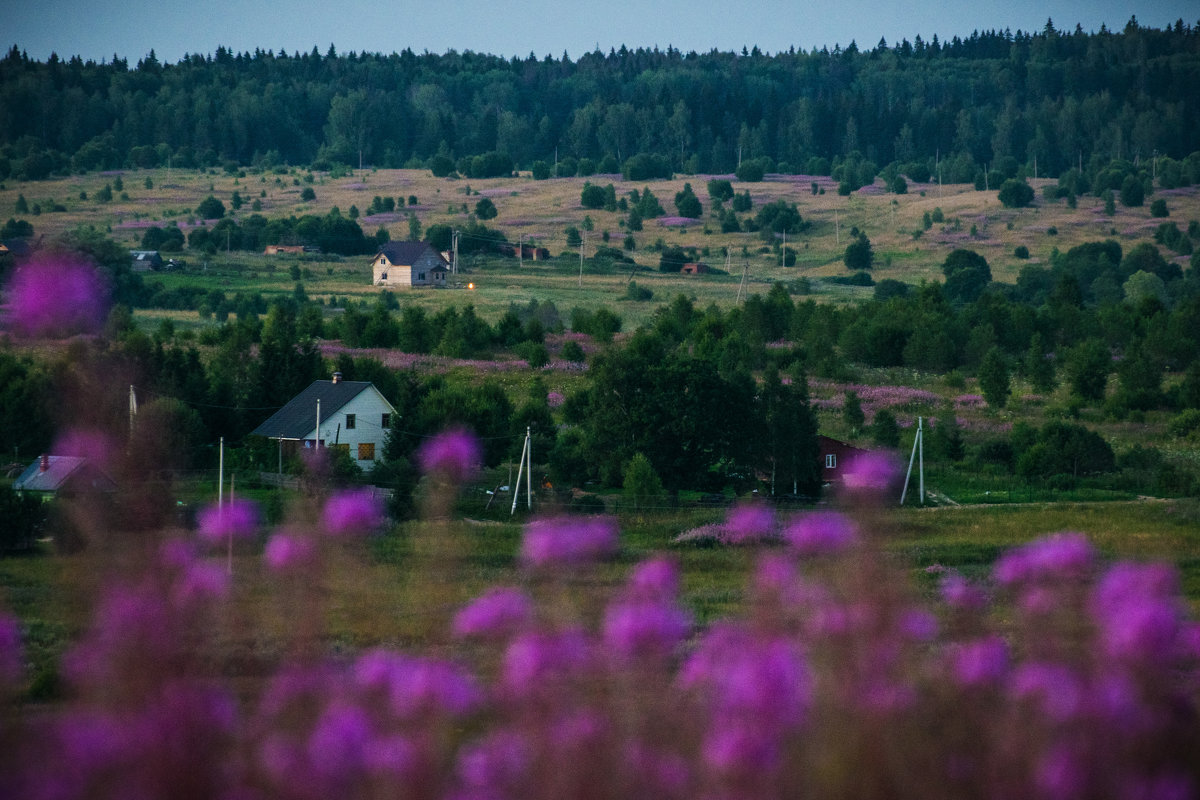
x=350 y=422
x=831 y=461
x=383 y=276
x=420 y=276
x=387 y=421
x=366 y=451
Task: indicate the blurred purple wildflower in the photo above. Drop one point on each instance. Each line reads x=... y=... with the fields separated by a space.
x=1055 y=689
x=639 y=627
x=655 y=578
x=1138 y=612
x=285 y=551
x=536 y=660
x=338 y=742
x=96 y=446
x=11 y=656
x=872 y=472
x=979 y=662
x=495 y=766
x=453 y=454
x=417 y=686
x=821 y=533
x=958 y=592
x=568 y=540
x=499 y=612
x=750 y=522
x=56 y=296
x=1062 y=555
x=352 y=512
x=236 y=519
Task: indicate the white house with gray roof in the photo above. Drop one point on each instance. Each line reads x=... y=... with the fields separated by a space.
x=353 y=416
x=408 y=264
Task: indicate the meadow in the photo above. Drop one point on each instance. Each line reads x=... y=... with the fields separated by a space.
x=540 y=211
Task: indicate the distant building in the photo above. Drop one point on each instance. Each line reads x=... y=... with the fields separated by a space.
x=835 y=456
x=354 y=417
x=694 y=268
x=145 y=260
x=51 y=476
x=407 y=264
x=285 y=249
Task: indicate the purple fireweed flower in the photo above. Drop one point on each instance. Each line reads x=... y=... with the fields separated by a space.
x=416 y=686
x=958 y=592
x=499 y=612
x=751 y=522
x=200 y=582
x=741 y=749
x=1060 y=556
x=980 y=662
x=495 y=765
x=56 y=296
x=536 y=660
x=568 y=540
x=871 y=473
x=775 y=574
x=236 y=519
x=654 y=578
x=639 y=628
x=453 y=454
x=286 y=551
x=821 y=533
x=749 y=677
x=1056 y=690
x=338 y=742
x=11 y=657
x=351 y=512
x=1138 y=612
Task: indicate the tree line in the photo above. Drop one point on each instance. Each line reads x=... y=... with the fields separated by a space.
x=1049 y=99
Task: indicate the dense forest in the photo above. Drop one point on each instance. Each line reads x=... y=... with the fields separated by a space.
x=1047 y=101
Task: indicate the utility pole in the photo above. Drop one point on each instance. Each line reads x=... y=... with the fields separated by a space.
x=454 y=253
x=526 y=469
x=521 y=250
x=918 y=447
x=582 y=244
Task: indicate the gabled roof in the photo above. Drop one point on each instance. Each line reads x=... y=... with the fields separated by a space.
x=299 y=417
x=52 y=473
x=405 y=254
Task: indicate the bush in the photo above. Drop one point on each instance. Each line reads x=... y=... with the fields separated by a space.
x=751 y=170
x=1016 y=194
x=1159 y=208
x=1021 y=252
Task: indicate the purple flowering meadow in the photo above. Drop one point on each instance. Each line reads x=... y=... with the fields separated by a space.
x=1056 y=673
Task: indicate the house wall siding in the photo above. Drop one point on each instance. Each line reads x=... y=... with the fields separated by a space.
x=368 y=409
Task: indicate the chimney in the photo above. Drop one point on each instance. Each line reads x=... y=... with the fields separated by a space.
x=337 y=377
x=45 y=463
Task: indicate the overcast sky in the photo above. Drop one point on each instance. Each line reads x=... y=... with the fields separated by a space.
x=98 y=29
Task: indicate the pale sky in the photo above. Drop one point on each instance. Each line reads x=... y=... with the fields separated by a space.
x=98 y=29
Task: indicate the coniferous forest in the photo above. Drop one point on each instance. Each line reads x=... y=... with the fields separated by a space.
x=1048 y=100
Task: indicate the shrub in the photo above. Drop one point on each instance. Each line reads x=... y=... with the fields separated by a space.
x=1015 y=194
x=1159 y=208
x=1021 y=252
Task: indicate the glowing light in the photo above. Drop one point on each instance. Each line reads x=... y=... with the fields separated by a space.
x=471 y=286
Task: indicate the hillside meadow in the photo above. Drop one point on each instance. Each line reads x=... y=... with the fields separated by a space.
x=541 y=211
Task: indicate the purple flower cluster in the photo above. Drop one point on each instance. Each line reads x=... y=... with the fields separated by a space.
x=557 y=541
x=56 y=296
x=453 y=455
x=237 y=519
x=1056 y=675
